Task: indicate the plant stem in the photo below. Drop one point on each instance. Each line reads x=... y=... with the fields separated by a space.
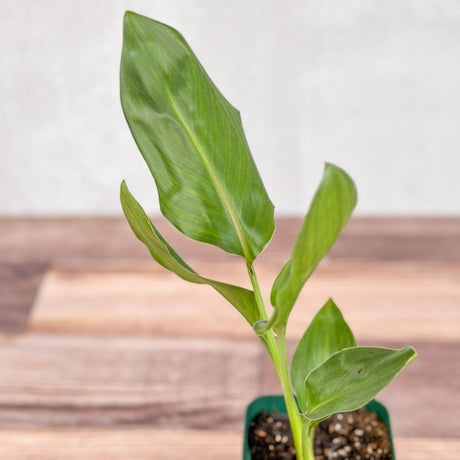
x=291 y=404
x=308 y=433
x=269 y=337
x=277 y=352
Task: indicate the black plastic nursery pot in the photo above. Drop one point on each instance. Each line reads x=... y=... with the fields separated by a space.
x=276 y=404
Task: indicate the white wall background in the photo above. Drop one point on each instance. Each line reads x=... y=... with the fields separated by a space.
x=371 y=85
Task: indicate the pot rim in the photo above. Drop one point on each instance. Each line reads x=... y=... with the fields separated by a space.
x=275 y=403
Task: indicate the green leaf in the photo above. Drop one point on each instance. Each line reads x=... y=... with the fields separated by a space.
x=328 y=333
x=193 y=142
x=242 y=299
x=352 y=377
x=328 y=215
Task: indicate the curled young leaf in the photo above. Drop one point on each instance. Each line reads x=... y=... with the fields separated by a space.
x=193 y=142
x=242 y=299
x=328 y=215
x=328 y=333
x=352 y=377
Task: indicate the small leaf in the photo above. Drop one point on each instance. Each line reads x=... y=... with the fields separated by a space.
x=193 y=142
x=352 y=377
x=242 y=299
x=328 y=332
x=328 y=215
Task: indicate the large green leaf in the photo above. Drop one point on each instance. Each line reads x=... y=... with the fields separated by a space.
x=351 y=377
x=329 y=212
x=328 y=332
x=242 y=299
x=193 y=142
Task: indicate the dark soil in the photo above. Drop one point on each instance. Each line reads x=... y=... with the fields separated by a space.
x=354 y=435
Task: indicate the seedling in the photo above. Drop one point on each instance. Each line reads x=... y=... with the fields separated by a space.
x=193 y=142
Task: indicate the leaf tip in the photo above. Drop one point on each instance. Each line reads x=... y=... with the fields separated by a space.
x=123 y=188
x=129 y=16
x=331 y=307
x=126 y=198
x=413 y=353
x=328 y=166
x=331 y=304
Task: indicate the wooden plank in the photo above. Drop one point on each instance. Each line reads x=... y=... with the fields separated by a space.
x=381 y=300
x=28 y=243
x=94 y=381
x=59 y=380
x=52 y=239
x=133 y=299
x=147 y=444
x=116 y=444
x=19 y=283
x=426 y=449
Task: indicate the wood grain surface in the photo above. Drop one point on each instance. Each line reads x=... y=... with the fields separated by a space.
x=19 y=283
x=60 y=380
x=148 y=444
x=380 y=300
x=25 y=239
x=120 y=359
x=80 y=380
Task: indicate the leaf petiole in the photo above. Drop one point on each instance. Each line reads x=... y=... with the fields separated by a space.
x=291 y=404
x=308 y=434
x=268 y=337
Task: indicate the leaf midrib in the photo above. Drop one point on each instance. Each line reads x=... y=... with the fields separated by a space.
x=199 y=149
x=217 y=185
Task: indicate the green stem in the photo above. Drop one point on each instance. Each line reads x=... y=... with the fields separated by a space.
x=291 y=404
x=269 y=337
x=308 y=433
x=277 y=352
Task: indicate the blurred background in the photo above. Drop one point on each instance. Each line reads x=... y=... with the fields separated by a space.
x=371 y=86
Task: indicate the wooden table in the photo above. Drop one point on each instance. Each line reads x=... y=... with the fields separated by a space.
x=103 y=354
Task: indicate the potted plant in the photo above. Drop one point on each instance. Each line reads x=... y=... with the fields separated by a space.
x=209 y=188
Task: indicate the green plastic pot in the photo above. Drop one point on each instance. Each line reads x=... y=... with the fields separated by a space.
x=277 y=404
